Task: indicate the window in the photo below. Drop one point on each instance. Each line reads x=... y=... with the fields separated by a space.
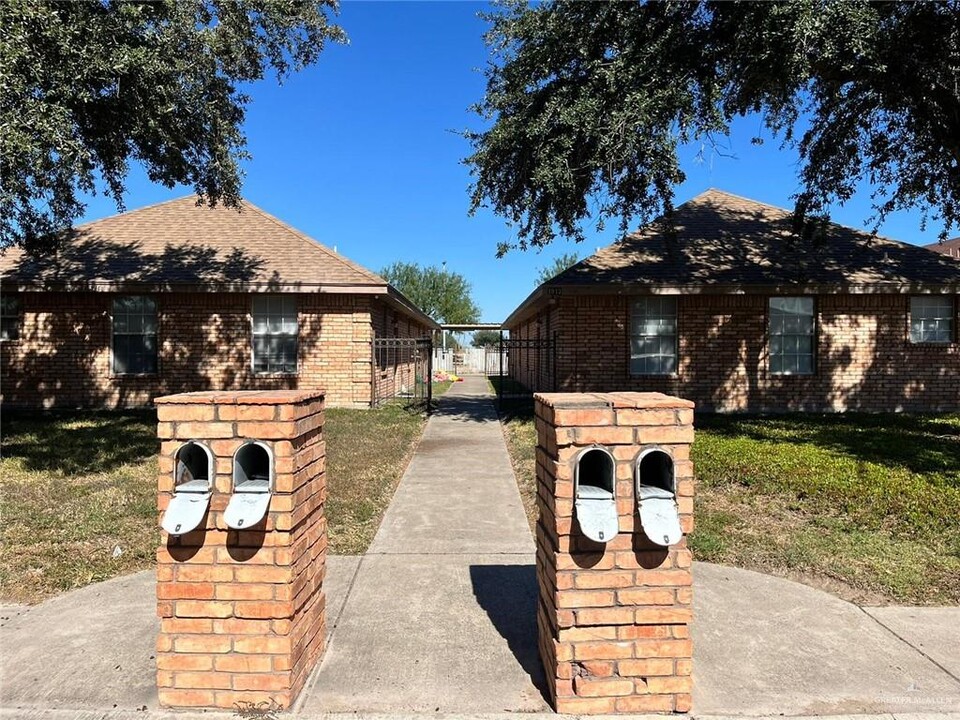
x=134 y=335
x=931 y=319
x=275 y=334
x=9 y=318
x=653 y=336
x=791 y=335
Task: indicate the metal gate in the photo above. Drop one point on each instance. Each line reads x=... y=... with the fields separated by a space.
x=402 y=368
x=523 y=367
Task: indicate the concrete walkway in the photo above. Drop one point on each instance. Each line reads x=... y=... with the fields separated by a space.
x=439 y=618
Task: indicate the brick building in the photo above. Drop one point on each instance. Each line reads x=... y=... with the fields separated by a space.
x=727 y=306
x=179 y=297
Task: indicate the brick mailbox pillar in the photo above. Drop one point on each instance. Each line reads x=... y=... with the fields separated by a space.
x=614 y=616
x=242 y=611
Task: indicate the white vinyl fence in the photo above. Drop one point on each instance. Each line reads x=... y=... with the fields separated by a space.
x=468 y=361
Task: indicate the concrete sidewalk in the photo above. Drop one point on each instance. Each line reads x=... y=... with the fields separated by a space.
x=438 y=615
x=439 y=618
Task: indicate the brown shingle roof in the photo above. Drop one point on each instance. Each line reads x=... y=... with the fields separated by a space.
x=950 y=248
x=722 y=239
x=179 y=243
x=719 y=242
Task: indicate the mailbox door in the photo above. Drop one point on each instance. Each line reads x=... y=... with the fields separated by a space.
x=660 y=516
x=185 y=512
x=246 y=509
x=598 y=518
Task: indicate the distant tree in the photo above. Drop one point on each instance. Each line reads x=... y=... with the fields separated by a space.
x=485 y=338
x=560 y=264
x=588 y=103
x=88 y=86
x=440 y=293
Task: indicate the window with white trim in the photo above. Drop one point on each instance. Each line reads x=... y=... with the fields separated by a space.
x=275 y=331
x=792 y=329
x=931 y=319
x=653 y=336
x=9 y=317
x=134 y=335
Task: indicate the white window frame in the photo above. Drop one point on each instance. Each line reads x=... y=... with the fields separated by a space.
x=666 y=320
x=791 y=336
x=255 y=332
x=6 y=301
x=113 y=335
x=945 y=315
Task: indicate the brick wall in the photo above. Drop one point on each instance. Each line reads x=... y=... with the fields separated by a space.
x=242 y=613
x=395 y=369
x=613 y=618
x=864 y=359
x=204 y=343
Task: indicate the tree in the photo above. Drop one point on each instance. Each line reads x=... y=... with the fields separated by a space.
x=589 y=102
x=87 y=87
x=440 y=293
x=485 y=338
x=567 y=260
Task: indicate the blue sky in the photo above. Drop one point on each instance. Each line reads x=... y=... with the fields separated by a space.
x=361 y=152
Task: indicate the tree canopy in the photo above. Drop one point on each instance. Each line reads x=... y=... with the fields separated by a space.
x=87 y=87
x=442 y=294
x=589 y=102
x=559 y=264
x=485 y=338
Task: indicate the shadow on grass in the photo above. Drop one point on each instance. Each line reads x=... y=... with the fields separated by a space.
x=920 y=443
x=76 y=441
x=514 y=401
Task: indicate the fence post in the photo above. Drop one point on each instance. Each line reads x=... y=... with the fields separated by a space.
x=500 y=377
x=429 y=375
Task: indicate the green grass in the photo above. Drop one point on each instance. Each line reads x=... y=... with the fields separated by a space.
x=367 y=452
x=866 y=506
x=78 y=491
x=77 y=498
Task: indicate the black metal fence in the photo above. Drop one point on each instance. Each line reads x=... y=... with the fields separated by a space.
x=403 y=368
x=524 y=366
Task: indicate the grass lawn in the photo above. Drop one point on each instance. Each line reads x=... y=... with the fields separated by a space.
x=78 y=491
x=865 y=506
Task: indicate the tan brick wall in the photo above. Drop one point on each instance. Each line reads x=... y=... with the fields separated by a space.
x=242 y=613
x=204 y=343
x=864 y=359
x=613 y=618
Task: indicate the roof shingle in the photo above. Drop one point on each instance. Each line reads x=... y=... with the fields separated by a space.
x=722 y=243
x=181 y=243
x=719 y=239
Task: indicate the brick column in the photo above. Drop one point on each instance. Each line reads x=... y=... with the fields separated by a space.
x=614 y=618
x=242 y=612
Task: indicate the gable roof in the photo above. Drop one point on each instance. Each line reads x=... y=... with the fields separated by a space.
x=950 y=248
x=722 y=243
x=180 y=245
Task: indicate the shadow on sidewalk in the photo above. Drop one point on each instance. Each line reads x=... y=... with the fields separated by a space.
x=477 y=408
x=508 y=594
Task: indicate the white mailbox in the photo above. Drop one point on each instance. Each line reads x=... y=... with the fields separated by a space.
x=253 y=475
x=594 y=491
x=657 y=497
x=192 y=485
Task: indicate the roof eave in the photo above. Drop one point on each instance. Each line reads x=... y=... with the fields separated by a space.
x=404 y=303
x=14 y=284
